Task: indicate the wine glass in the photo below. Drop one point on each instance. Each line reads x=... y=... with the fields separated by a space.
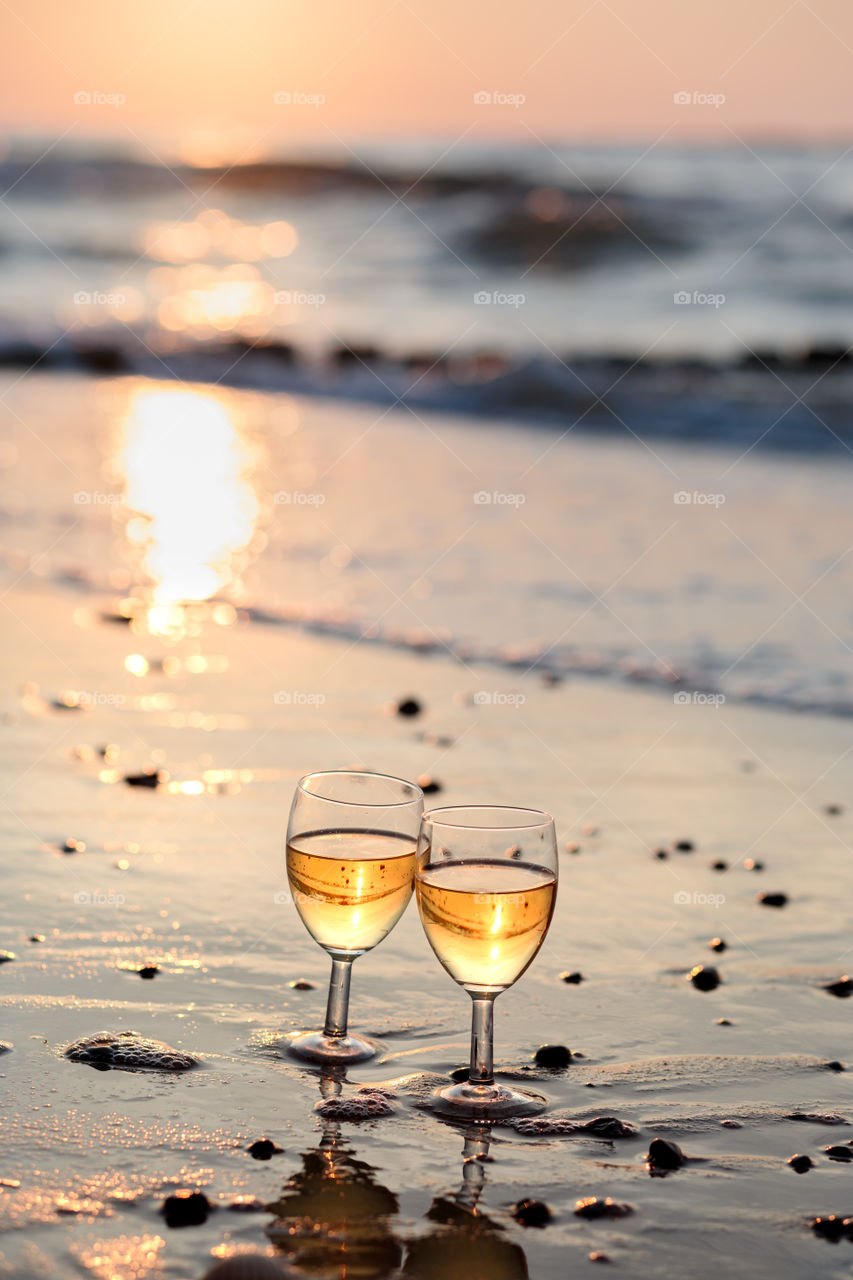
x=486 y=883
x=351 y=847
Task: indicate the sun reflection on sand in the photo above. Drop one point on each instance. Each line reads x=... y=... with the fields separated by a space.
x=192 y=508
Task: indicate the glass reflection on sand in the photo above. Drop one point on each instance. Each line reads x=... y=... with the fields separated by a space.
x=192 y=510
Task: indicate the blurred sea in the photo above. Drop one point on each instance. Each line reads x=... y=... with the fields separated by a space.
x=695 y=293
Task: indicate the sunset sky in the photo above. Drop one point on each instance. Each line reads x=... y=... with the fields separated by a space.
x=202 y=74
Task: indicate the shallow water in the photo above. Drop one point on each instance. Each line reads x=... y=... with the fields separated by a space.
x=189 y=876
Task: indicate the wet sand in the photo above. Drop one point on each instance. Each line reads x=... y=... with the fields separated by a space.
x=187 y=878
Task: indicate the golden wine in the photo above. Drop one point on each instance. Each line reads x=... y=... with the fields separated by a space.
x=485 y=920
x=350 y=887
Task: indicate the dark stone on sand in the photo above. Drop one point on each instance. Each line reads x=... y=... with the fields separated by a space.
x=833 y=1227
x=302 y=984
x=594 y=1207
x=704 y=977
x=723 y=1022
x=186 y=1209
x=127 y=1051
x=843 y=988
x=684 y=846
x=532 y=1213
x=428 y=785
x=773 y=899
x=264 y=1149
x=717 y=944
x=801 y=1164
x=573 y=978
x=556 y=1057
x=731 y=1124
x=72 y=846
x=662 y=854
x=835 y=1065
x=7 y=956
x=752 y=864
x=608 y=1127
x=598 y=1256
x=664 y=1155
x=839 y=1153
x=5 y=1047
x=148 y=778
x=719 y=865
x=408 y=707
x=246 y=1267
x=148 y=971
x=36 y=937
x=833 y=810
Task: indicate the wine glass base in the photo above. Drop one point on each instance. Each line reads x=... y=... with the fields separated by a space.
x=486 y=1102
x=315 y=1046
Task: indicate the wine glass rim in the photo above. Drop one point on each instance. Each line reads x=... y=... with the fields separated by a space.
x=542 y=818
x=360 y=773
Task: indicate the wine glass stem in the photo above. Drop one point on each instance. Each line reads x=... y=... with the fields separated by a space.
x=482 y=1028
x=337 y=1006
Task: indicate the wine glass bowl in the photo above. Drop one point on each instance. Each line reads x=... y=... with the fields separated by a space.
x=486 y=884
x=351 y=856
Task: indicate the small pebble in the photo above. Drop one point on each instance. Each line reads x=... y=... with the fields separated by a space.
x=833 y=810
x=839 y=1153
x=594 y=1207
x=598 y=1256
x=719 y=865
x=664 y=1155
x=148 y=971
x=723 y=1022
x=571 y=977
x=532 y=1213
x=408 y=707
x=264 y=1149
x=751 y=864
x=832 y=1227
x=186 y=1209
x=608 y=1127
x=7 y=956
x=556 y=1057
x=835 y=1065
x=842 y=988
x=72 y=846
x=717 y=944
x=302 y=984
x=148 y=778
x=773 y=899
x=662 y=854
x=801 y=1164
x=704 y=977
x=572 y=846
x=684 y=846
x=36 y=937
x=731 y=1124
x=428 y=785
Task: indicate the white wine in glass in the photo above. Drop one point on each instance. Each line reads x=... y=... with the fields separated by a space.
x=351 y=856
x=486 y=884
